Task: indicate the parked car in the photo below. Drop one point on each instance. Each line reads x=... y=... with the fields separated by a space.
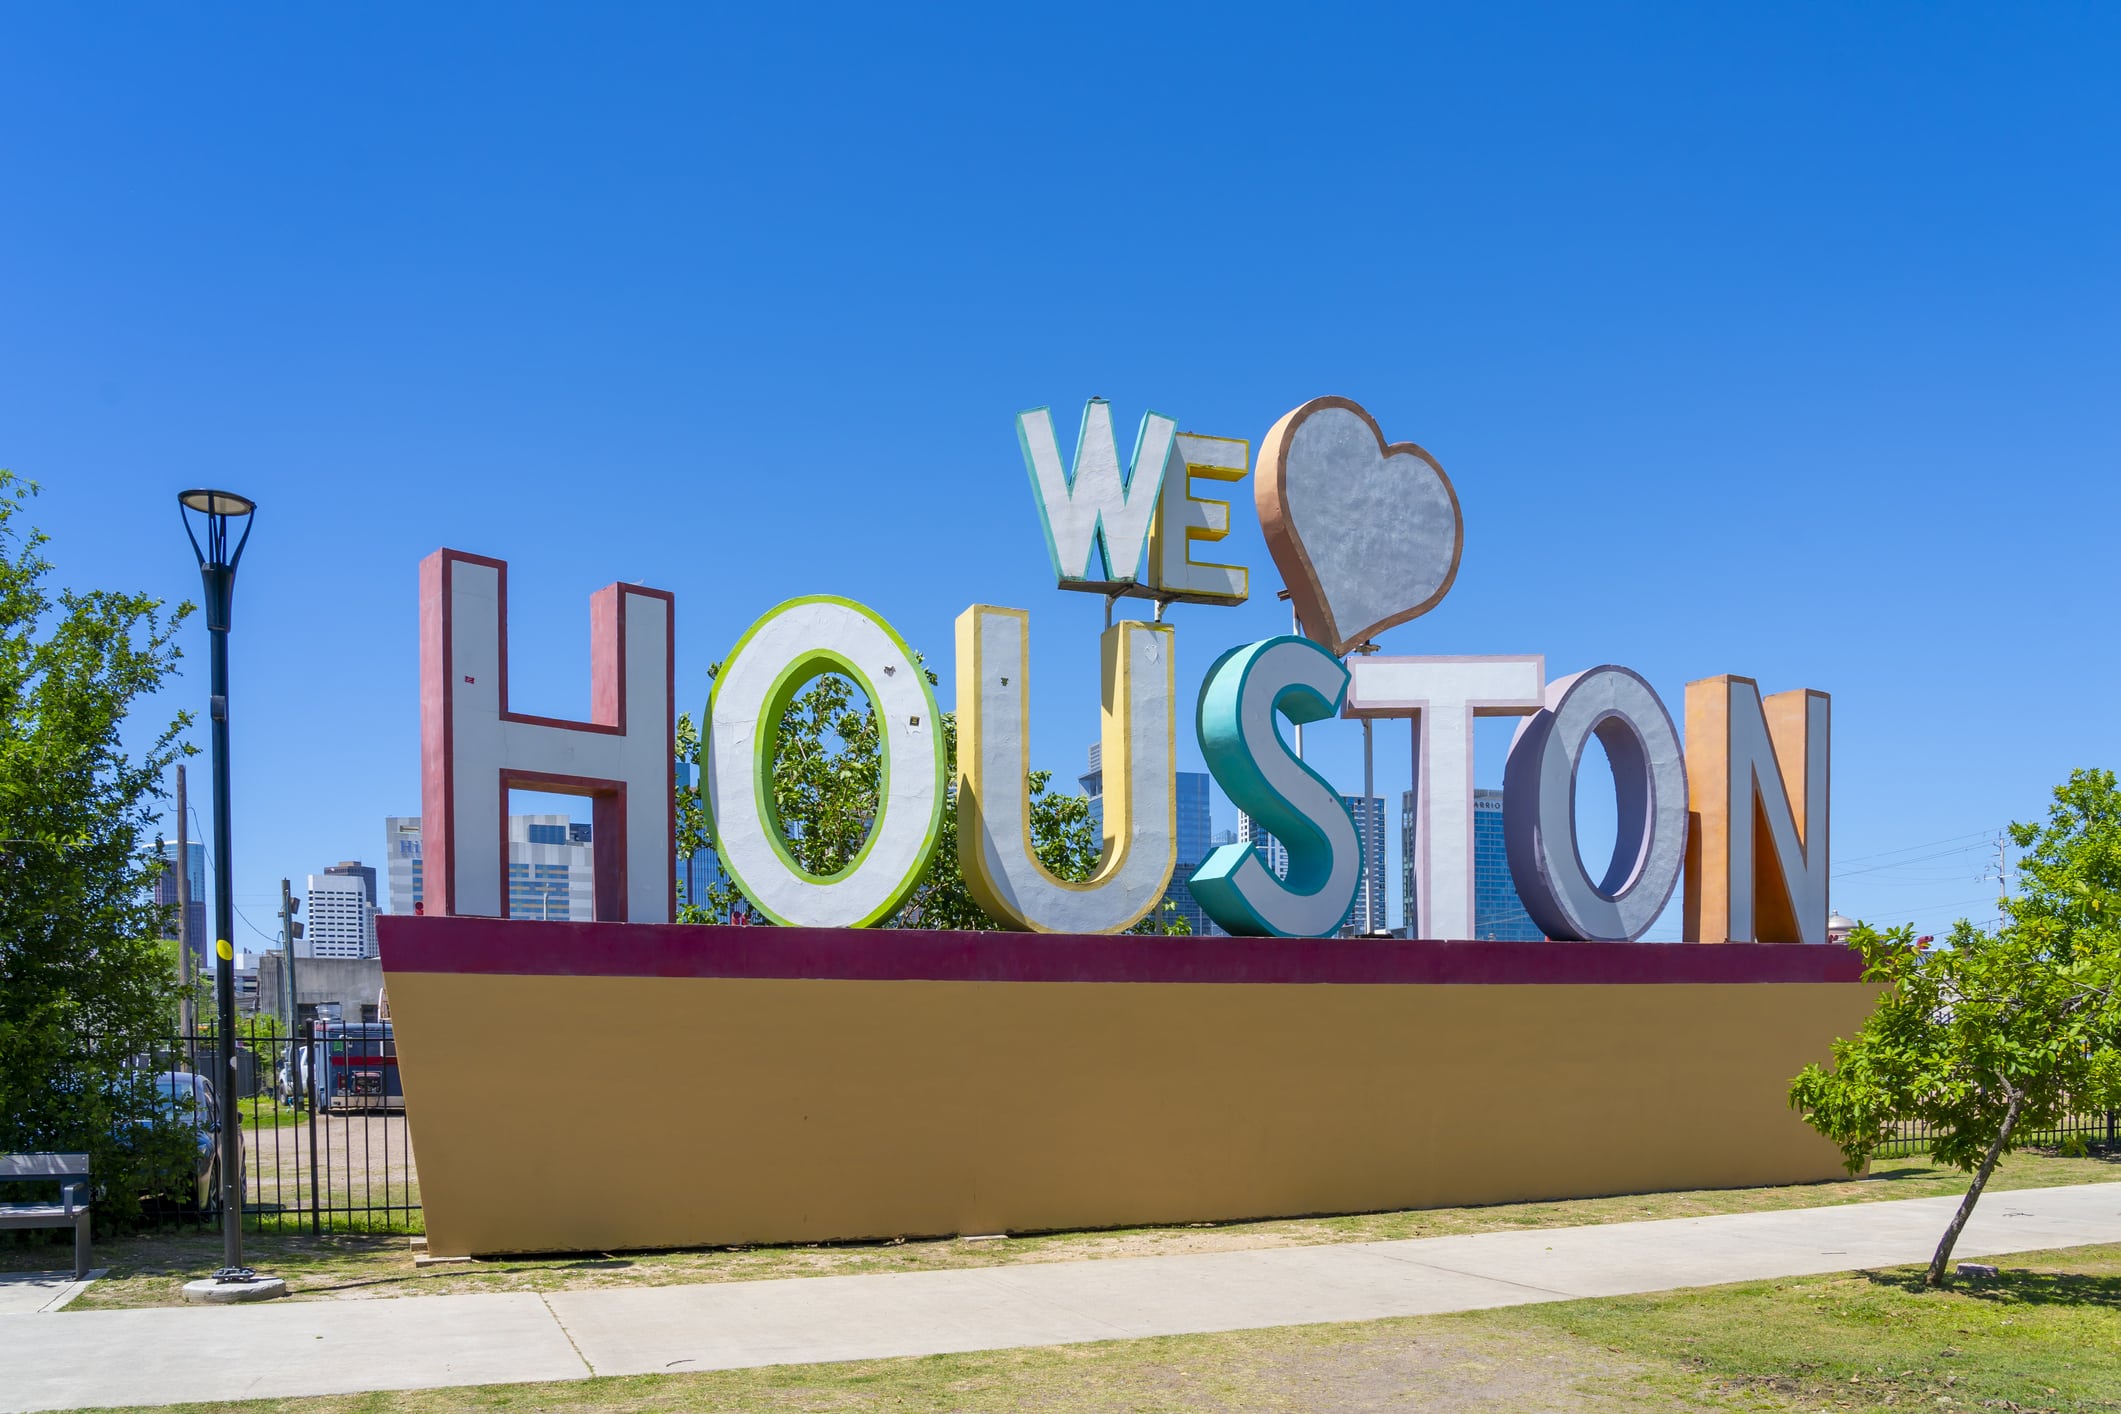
x=188 y=1101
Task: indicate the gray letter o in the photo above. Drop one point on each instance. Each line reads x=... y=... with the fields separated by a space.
x=1650 y=788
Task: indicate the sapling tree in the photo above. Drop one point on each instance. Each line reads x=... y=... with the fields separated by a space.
x=1996 y=1034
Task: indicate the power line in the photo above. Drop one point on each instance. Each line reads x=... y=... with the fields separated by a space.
x=1927 y=844
x=256 y=929
x=1951 y=903
x=208 y=856
x=1931 y=871
x=1918 y=859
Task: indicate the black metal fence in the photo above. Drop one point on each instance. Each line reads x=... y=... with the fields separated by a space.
x=325 y=1142
x=2093 y=1131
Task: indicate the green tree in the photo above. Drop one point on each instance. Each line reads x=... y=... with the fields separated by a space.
x=825 y=775
x=1996 y=1034
x=86 y=987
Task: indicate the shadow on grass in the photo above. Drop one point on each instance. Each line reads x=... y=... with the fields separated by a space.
x=168 y=1253
x=2097 y=1155
x=485 y=1267
x=2017 y=1288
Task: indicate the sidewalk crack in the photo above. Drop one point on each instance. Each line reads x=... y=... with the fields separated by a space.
x=571 y=1344
x=1482 y=1276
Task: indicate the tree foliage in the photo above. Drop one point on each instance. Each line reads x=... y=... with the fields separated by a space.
x=825 y=779
x=1997 y=1033
x=86 y=985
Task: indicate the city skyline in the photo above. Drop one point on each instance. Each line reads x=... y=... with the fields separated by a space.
x=551 y=866
x=166 y=896
x=1498 y=912
x=547 y=884
x=1192 y=801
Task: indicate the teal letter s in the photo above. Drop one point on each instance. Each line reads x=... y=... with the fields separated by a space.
x=1244 y=692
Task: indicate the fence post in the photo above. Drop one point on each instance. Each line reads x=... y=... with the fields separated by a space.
x=310 y=1069
x=246 y=1144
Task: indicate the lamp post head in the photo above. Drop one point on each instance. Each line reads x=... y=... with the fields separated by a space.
x=217 y=503
x=216 y=512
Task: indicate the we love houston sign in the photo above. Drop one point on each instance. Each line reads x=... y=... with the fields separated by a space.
x=840 y=1081
x=1366 y=533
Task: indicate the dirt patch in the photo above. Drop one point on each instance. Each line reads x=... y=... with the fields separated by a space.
x=365 y=1161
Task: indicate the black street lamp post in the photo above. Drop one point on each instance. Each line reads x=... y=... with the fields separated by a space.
x=217 y=569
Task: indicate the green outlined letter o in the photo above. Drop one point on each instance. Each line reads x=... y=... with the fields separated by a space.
x=771 y=664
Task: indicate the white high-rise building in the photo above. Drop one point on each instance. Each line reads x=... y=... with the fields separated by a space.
x=1369 y=911
x=551 y=867
x=1409 y=856
x=338 y=921
x=401 y=863
x=1369 y=816
x=1272 y=852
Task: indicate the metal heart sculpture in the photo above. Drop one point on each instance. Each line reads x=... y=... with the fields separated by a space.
x=1366 y=534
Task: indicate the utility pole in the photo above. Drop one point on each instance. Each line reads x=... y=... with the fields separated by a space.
x=1372 y=849
x=1296 y=627
x=186 y=964
x=1412 y=904
x=290 y=930
x=1373 y=845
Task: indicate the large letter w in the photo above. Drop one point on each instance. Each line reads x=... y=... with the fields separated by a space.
x=1095 y=508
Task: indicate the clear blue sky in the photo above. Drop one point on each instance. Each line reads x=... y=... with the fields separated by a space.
x=1779 y=342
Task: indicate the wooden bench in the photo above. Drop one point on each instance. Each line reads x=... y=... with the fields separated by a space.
x=71 y=1170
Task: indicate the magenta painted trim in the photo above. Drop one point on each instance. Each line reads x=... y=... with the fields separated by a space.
x=507 y=947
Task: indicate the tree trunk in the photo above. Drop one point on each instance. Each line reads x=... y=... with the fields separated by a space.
x=1940 y=1265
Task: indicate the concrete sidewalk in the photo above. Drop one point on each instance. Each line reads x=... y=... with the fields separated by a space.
x=25 y=1292
x=171 y=1355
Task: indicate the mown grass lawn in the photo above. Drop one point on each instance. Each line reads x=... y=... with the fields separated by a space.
x=2045 y=1336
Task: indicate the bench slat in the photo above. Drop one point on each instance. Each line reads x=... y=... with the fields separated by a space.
x=32 y=1214
x=43 y=1166
x=65 y=1213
